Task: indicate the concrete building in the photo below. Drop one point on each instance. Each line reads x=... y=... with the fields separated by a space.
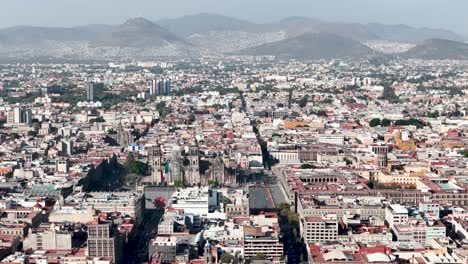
x=319 y=229
x=396 y=214
x=165 y=246
x=48 y=240
x=196 y=201
x=90 y=91
x=261 y=237
x=335 y=139
x=127 y=203
x=104 y=240
x=61 y=166
x=19 y=116
x=159 y=87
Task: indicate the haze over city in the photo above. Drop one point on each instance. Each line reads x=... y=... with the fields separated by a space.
x=58 y=13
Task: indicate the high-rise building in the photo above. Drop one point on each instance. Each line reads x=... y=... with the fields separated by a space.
x=14 y=116
x=167 y=87
x=19 y=116
x=26 y=117
x=104 y=240
x=152 y=87
x=90 y=91
x=159 y=87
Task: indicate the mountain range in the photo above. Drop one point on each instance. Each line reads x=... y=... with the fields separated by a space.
x=211 y=34
x=312 y=46
x=439 y=49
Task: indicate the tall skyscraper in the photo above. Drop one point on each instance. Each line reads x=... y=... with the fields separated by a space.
x=167 y=87
x=26 y=117
x=152 y=87
x=159 y=87
x=19 y=116
x=90 y=91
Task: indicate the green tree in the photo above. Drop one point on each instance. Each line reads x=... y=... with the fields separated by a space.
x=178 y=183
x=32 y=133
x=191 y=119
x=135 y=166
x=98 y=119
x=375 y=122
x=389 y=95
x=386 y=122
x=306 y=166
x=290 y=230
x=212 y=183
x=304 y=100
x=162 y=109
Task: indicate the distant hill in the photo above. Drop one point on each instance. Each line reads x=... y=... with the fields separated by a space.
x=136 y=38
x=296 y=26
x=24 y=35
x=439 y=49
x=404 y=33
x=203 y=23
x=312 y=46
x=139 y=33
x=207 y=34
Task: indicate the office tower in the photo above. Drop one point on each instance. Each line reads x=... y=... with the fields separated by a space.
x=90 y=91
x=160 y=87
x=19 y=116
x=167 y=87
x=104 y=240
x=14 y=116
x=152 y=87
x=26 y=117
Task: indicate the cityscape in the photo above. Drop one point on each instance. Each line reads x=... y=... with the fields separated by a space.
x=209 y=139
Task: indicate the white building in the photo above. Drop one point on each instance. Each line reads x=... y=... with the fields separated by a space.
x=335 y=139
x=396 y=214
x=196 y=201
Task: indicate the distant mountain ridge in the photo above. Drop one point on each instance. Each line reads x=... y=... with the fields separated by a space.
x=312 y=46
x=404 y=33
x=138 y=33
x=439 y=49
x=206 y=34
x=204 y=22
x=296 y=26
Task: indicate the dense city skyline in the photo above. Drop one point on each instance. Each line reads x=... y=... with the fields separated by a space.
x=54 y=13
x=234 y=136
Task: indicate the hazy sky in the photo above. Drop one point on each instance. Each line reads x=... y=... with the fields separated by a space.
x=449 y=14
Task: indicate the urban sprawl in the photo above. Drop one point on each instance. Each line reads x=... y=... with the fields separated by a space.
x=234 y=160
